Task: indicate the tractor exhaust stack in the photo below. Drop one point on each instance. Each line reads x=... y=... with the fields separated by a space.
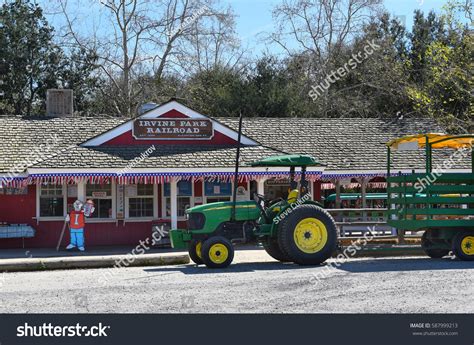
x=236 y=173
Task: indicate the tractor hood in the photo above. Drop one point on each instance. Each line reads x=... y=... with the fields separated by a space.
x=221 y=211
x=223 y=205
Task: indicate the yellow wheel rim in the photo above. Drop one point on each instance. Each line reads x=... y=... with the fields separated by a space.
x=310 y=235
x=467 y=245
x=218 y=253
x=198 y=250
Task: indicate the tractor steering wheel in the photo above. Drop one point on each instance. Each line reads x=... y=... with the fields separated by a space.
x=259 y=199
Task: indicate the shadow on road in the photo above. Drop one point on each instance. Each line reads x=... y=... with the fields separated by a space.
x=234 y=268
x=400 y=265
x=353 y=266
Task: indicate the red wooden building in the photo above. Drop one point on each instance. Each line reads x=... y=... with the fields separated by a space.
x=149 y=169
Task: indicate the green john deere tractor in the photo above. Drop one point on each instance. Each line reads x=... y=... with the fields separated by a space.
x=294 y=229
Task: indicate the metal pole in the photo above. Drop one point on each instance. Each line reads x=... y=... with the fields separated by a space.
x=236 y=174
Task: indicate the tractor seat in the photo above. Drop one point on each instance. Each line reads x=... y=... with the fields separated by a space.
x=293 y=195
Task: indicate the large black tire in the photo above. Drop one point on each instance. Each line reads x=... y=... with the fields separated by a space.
x=463 y=245
x=217 y=252
x=308 y=234
x=434 y=253
x=194 y=250
x=273 y=249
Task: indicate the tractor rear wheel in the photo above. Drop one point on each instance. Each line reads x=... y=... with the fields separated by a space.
x=308 y=235
x=273 y=249
x=194 y=251
x=217 y=252
x=463 y=245
x=435 y=253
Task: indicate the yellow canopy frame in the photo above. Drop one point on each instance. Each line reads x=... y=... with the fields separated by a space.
x=434 y=140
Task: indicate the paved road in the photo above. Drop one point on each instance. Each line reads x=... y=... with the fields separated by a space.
x=254 y=283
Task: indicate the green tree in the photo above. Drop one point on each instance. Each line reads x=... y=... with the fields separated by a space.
x=78 y=71
x=29 y=56
x=445 y=91
x=425 y=31
x=218 y=92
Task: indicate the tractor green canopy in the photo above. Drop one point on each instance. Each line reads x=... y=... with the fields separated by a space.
x=287 y=161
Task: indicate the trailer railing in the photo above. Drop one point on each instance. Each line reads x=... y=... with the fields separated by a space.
x=420 y=201
x=358 y=221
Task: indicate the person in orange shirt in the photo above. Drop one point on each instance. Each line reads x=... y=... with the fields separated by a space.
x=76 y=219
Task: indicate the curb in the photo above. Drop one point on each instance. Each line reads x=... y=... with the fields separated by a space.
x=45 y=264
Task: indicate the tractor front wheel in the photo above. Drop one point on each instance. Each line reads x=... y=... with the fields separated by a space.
x=463 y=245
x=308 y=234
x=273 y=249
x=434 y=253
x=217 y=252
x=194 y=251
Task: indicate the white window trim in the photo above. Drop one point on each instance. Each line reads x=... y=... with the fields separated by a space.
x=204 y=196
x=155 y=208
x=38 y=197
x=163 y=202
x=114 y=204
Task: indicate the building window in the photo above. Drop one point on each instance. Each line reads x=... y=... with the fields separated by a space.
x=217 y=191
x=141 y=203
x=51 y=203
x=101 y=194
x=185 y=192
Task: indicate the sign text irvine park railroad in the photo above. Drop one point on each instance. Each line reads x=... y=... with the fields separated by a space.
x=172 y=128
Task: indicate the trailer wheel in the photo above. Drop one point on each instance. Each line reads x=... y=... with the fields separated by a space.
x=273 y=249
x=217 y=252
x=308 y=235
x=435 y=253
x=194 y=251
x=463 y=245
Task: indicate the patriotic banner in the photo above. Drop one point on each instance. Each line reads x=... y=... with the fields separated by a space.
x=159 y=178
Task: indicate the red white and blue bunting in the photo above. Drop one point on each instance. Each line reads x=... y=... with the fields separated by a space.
x=160 y=178
x=148 y=178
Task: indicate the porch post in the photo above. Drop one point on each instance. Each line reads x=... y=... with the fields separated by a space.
x=339 y=215
x=363 y=194
x=338 y=193
x=81 y=191
x=174 y=203
x=261 y=186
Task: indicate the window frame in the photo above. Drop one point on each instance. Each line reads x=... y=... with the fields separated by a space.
x=153 y=197
x=164 y=202
x=38 y=202
x=206 y=197
x=113 y=197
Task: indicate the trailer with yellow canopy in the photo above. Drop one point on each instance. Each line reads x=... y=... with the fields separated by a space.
x=444 y=203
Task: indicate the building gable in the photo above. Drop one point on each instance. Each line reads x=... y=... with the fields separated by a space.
x=170 y=124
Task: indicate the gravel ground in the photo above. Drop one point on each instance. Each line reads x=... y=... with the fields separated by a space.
x=254 y=283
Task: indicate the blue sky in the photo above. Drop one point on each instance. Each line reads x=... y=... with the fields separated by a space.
x=254 y=16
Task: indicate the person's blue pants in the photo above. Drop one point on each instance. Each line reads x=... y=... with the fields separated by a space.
x=77 y=237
